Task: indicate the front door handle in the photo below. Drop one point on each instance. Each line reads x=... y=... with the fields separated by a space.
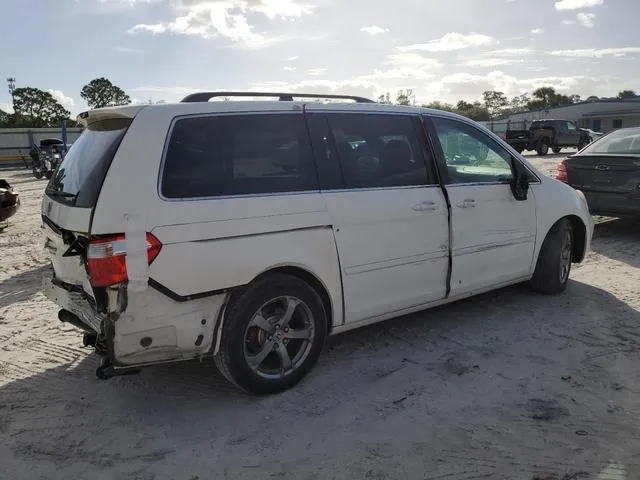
x=467 y=203
x=425 y=207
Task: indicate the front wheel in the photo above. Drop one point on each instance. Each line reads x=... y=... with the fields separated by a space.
x=272 y=335
x=554 y=260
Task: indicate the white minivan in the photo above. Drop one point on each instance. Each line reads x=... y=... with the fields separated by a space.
x=250 y=230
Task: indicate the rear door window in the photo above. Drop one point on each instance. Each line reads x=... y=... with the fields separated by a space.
x=378 y=150
x=79 y=178
x=214 y=156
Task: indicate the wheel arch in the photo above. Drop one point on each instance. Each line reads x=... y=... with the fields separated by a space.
x=298 y=271
x=579 y=236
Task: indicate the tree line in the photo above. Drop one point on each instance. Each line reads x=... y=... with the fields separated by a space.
x=35 y=108
x=496 y=104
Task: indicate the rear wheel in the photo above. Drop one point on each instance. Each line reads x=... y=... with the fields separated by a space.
x=37 y=173
x=272 y=335
x=543 y=147
x=554 y=261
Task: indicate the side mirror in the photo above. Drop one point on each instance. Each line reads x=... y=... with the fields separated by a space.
x=520 y=186
x=520 y=181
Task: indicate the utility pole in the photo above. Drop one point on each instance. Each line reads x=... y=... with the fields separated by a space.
x=11 y=81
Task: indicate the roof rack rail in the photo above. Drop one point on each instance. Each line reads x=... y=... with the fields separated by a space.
x=283 y=97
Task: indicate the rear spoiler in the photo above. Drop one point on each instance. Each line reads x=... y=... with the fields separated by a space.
x=91 y=116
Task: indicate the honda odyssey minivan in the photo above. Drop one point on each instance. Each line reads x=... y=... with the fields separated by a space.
x=251 y=230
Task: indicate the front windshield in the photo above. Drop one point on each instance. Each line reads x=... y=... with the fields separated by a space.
x=619 y=142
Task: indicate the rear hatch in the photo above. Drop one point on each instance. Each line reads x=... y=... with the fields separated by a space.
x=610 y=182
x=72 y=193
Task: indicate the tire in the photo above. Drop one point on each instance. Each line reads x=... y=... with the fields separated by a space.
x=37 y=173
x=554 y=261
x=519 y=149
x=543 y=147
x=556 y=149
x=48 y=174
x=254 y=357
x=583 y=143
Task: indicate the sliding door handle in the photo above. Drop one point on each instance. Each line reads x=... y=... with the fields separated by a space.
x=466 y=203
x=425 y=207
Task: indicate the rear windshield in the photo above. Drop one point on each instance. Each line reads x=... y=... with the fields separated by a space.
x=79 y=178
x=619 y=142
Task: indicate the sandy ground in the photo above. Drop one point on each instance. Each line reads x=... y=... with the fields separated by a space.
x=509 y=385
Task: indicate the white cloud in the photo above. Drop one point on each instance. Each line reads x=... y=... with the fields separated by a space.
x=315 y=72
x=128 y=2
x=537 y=31
x=374 y=30
x=127 y=50
x=470 y=86
x=491 y=62
x=6 y=107
x=577 y=4
x=293 y=58
x=225 y=18
x=413 y=60
x=172 y=90
x=154 y=29
x=586 y=19
x=404 y=66
x=320 y=87
x=62 y=98
x=397 y=74
x=451 y=41
x=496 y=58
x=277 y=8
x=595 y=52
x=568 y=22
x=289 y=68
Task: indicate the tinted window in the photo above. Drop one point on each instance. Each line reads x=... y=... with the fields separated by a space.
x=470 y=155
x=238 y=155
x=78 y=179
x=378 y=150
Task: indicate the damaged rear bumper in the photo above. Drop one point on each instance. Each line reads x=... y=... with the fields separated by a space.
x=73 y=299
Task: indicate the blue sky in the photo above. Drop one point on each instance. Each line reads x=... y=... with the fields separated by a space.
x=443 y=50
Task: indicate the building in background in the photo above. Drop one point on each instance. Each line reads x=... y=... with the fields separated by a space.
x=598 y=115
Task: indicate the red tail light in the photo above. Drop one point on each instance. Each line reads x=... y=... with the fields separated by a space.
x=561 y=173
x=107 y=259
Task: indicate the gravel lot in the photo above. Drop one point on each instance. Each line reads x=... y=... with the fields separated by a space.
x=509 y=385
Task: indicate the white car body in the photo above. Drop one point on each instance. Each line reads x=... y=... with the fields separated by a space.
x=372 y=253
